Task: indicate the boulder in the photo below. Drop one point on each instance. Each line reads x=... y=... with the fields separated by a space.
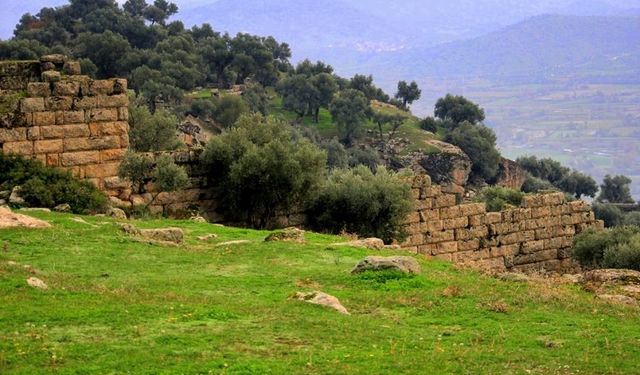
x=367 y=243
x=65 y=207
x=9 y=219
x=445 y=163
x=396 y=263
x=510 y=174
x=323 y=299
x=613 y=276
x=514 y=277
x=34 y=282
x=294 y=235
x=237 y=242
x=198 y=219
x=15 y=197
x=117 y=213
x=175 y=235
x=207 y=237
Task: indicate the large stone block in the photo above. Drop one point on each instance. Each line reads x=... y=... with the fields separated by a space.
x=20 y=147
x=43 y=118
x=119 y=86
x=114 y=154
x=450 y=212
x=28 y=105
x=38 y=89
x=469 y=245
x=52 y=132
x=66 y=88
x=444 y=200
x=13 y=135
x=456 y=223
x=101 y=170
x=58 y=103
x=52 y=146
x=102 y=114
x=75 y=131
x=101 y=87
x=114 y=128
x=74 y=117
x=466 y=234
x=123 y=114
x=471 y=209
x=440 y=236
x=71 y=159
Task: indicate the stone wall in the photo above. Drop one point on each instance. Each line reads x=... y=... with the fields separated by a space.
x=536 y=236
x=52 y=113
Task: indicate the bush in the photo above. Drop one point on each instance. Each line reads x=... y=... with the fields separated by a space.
x=429 y=124
x=262 y=167
x=359 y=201
x=590 y=246
x=49 y=187
x=479 y=143
x=632 y=218
x=229 y=109
x=498 y=198
x=535 y=185
x=611 y=215
x=624 y=255
x=152 y=132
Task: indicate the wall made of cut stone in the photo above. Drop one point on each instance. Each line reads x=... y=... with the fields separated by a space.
x=537 y=236
x=65 y=119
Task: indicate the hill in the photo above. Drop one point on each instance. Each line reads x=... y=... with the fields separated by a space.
x=542 y=48
x=114 y=305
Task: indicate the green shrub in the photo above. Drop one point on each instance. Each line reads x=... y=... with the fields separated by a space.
x=262 y=167
x=624 y=255
x=49 y=187
x=535 y=185
x=498 y=198
x=590 y=246
x=152 y=132
x=631 y=218
x=611 y=215
x=359 y=201
x=479 y=143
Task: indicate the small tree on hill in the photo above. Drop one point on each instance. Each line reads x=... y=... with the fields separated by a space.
x=479 y=143
x=350 y=110
x=408 y=93
x=615 y=190
x=458 y=109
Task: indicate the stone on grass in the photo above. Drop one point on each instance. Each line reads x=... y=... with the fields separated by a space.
x=632 y=290
x=294 y=235
x=573 y=278
x=367 y=243
x=208 y=237
x=34 y=209
x=15 y=197
x=65 y=207
x=514 y=277
x=613 y=276
x=167 y=236
x=82 y=221
x=198 y=219
x=615 y=298
x=323 y=299
x=237 y=242
x=9 y=219
x=34 y=282
x=397 y=263
x=117 y=213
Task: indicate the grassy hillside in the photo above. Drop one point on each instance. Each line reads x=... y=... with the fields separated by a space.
x=119 y=306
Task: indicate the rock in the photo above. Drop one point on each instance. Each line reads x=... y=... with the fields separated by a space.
x=117 y=213
x=207 y=237
x=57 y=59
x=397 y=263
x=9 y=219
x=448 y=165
x=15 y=197
x=625 y=300
x=162 y=236
x=34 y=282
x=198 y=219
x=3 y=202
x=632 y=290
x=34 y=209
x=82 y=221
x=613 y=276
x=65 y=207
x=238 y=242
x=573 y=279
x=294 y=235
x=51 y=76
x=368 y=243
x=323 y=299
x=5 y=194
x=514 y=277
x=510 y=174
x=12 y=263
x=72 y=68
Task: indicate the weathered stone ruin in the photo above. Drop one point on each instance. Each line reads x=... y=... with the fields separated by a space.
x=52 y=113
x=538 y=235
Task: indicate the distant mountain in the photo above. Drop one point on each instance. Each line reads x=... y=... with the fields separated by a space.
x=540 y=48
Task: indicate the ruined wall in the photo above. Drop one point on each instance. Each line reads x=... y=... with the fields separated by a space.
x=52 y=113
x=536 y=236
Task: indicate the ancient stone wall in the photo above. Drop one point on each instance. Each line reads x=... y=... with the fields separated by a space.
x=52 y=113
x=538 y=235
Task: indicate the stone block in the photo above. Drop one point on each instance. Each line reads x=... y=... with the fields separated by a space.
x=13 y=135
x=522 y=214
x=536 y=257
x=471 y=209
x=469 y=245
x=77 y=144
x=579 y=206
x=114 y=154
x=66 y=88
x=414 y=240
x=517 y=237
x=432 y=226
x=466 y=234
x=71 y=159
x=450 y=212
x=440 y=236
x=73 y=117
x=116 y=183
x=33 y=133
x=58 y=103
x=445 y=248
x=38 y=89
x=456 y=223
x=101 y=170
x=413 y=217
x=52 y=132
x=428 y=215
x=51 y=76
x=124 y=140
x=539 y=212
x=444 y=200
x=104 y=143
x=28 y=105
x=123 y=114
x=101 y=87
x=52 y=146
x=53 y=160
x=102 y=114
x=493 y=217
x=119 y=86
x=503 y=251
x=432 y=191
x=44 y=118
x=553 y=199
x=533 y=246
x=72 y=68
x=477 y=220
x=76 y=131
x=20 y=147
x=56 y=59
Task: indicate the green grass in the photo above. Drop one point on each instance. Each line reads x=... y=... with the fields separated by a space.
x=119 y=306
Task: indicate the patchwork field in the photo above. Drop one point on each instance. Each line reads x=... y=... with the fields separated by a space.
x=116 y=305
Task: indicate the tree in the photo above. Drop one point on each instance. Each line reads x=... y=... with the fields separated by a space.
x=135 y=8
x=262 y=167
x=429 y=124
x=479 y=143
x=384 y=119
x=458 y=109
x=105 y=50
x=256 y=98
x=151 y=132
x=162 y=171
x=615 y=190
x=365 y=85
x=350 y=110
x=228 y=110
x=325 y=87
x=297 y=93
x=160 y=11
x=408 y=93
x=578 y=184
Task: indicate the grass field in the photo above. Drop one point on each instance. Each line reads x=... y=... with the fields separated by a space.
x=118 y=306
